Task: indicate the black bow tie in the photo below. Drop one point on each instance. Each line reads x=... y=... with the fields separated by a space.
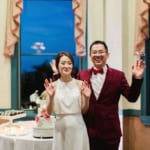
x=101 y=71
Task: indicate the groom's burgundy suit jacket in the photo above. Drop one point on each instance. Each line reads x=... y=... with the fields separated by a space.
x=102 y=118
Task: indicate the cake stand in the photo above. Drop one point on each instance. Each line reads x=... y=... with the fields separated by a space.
x=11 y=128
x=11 y=118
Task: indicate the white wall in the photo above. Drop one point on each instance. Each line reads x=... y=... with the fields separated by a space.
x=116 y=27
x=128 y=58
x=96 y=18
x=5 y=94
x=113 y=35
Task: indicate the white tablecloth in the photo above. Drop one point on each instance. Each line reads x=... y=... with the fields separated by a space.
x=24 y=142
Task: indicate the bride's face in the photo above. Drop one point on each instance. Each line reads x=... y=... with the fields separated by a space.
x=65 y=66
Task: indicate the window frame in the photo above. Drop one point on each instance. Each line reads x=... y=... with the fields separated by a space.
x=145 y=103
x=15 y=72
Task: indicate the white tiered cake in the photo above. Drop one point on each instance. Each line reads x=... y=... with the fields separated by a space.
x=44 y=125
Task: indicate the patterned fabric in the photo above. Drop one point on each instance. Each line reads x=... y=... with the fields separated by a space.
x=141 y=25
x=14 y=9
x=79 y=8
x=67 y=98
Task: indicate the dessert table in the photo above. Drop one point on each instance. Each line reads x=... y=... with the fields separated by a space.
x=23 y=139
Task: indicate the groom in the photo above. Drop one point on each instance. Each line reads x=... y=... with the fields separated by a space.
x=107 y=86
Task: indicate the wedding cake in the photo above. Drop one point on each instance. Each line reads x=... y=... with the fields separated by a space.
x=44 y=125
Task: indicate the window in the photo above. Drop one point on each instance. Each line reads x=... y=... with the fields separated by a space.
x=47 y=27
x=145 y=109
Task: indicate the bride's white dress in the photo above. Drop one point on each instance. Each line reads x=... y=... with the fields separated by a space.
x=70 y=129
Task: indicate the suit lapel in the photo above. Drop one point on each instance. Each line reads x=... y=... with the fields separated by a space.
x=88 y=77
x=107 y=82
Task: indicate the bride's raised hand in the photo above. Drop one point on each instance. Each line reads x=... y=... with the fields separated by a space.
x=49 y=87
x=86 y=91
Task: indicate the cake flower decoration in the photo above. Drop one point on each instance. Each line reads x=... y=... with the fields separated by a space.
x=43 y=113
x=37 y=118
